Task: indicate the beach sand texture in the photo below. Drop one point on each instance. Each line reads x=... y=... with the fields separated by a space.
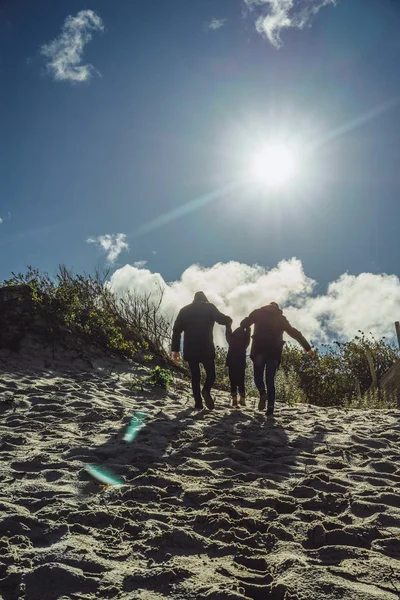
x=221 y=506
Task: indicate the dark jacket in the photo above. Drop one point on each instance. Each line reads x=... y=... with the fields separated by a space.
x=196 y=321
x=269 y=325
x=238 y=342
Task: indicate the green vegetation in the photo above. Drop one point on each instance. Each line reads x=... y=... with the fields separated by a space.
x=328 y=379
x=288 y=387
x=131 y=326
x=158 y=377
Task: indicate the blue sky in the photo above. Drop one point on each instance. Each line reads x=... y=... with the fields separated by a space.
x=172 y=112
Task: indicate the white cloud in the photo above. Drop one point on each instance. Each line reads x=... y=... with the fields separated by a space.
x=366 y=301
x=139 y=264
x=64 y=53
x=1 y=220
x=215 y=24
x=112 y=244
x=275 y=15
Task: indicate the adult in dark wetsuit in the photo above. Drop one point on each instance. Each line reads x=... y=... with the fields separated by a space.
x=238 y=342
x=266 y=350
x=196 y=321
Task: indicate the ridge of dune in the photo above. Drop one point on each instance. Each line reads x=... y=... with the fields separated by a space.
x=223 y=505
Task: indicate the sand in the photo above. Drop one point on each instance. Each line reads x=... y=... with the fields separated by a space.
x=221 y=506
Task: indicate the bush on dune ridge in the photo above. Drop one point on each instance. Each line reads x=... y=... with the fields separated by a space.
x=133 y=325
x=85 y=305
x=329 y=378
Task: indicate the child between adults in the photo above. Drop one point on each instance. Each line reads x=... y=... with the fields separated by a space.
x=238 y=342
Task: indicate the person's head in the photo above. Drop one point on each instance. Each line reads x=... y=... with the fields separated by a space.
x=200 y=297
x=275 y=305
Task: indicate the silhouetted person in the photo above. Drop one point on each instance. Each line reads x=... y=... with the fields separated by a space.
x=266 y=350
x=238 y=342
x=196 y=321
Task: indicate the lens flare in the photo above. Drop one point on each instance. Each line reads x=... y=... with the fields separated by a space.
x=104 y=476
x=136 y=424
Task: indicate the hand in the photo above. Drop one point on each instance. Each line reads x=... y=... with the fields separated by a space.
x=176 y=356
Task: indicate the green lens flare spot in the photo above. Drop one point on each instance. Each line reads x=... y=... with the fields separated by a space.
x=136 y=424
x=104 y=476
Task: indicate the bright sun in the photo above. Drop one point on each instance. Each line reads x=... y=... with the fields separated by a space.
x=273 y=165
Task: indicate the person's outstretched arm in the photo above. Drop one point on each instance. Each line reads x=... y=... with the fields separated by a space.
x=296 y=334
x=248 y=321
x=228 y=333
x=177 y=333
x=220 y=318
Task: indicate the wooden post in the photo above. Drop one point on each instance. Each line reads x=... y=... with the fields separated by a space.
x=397 y=325
x=372 y=368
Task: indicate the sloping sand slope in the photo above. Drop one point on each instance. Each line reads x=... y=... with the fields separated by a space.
x=219 y=506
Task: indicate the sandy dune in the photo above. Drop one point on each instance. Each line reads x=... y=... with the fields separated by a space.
x=221 y=505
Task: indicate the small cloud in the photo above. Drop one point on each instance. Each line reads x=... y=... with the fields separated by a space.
x=280 y=14
x=65 y=52
x=154 y=252
x=7 y=218
x=112 y=244
x=139 y=264
x=215 y=24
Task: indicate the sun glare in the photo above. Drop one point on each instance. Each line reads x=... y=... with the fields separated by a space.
x=273 y=165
